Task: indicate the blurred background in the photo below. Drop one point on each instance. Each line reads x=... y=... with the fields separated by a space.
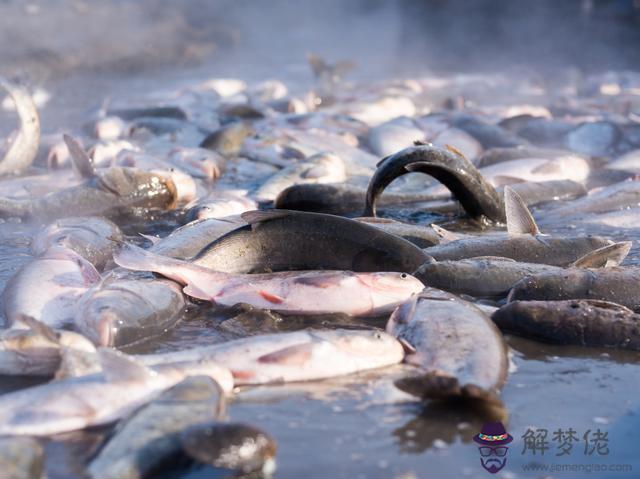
x=82 y=51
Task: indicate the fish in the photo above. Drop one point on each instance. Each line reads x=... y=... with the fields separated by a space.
x=581 y=322
x=76 y=403
x=534 y=193
x=622 y=195
x=464 y=142
x=493 y=156
x=236 y=446
x=131 y=113
x=421 y=236
x=92 y=237
x=319 y=168
x=394 y=135
x=279 y=240
x=220 y=204
x=143 y=442
x=112 y=192
x=304 y=355
x=523 y=241
x=21 y=458
x=48 y=287
x=304 y=292
x=190 y=239
x=479 y=277
x=198 y=162
x=476 y=196
x=596 y=138
x=489 y=135
x=572 y=167
x=37 y=351
x=228 y=139
x=337 y=199
x=458 y=351
x=24 y=144
x=619 y=285
x=121 y=312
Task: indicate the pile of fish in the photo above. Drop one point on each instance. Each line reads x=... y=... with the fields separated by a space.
x=267 y=206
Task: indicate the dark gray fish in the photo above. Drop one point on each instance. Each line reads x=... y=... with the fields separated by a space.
x=281 y=240
x=534 y=193
x=188 y=240
x=489 y=135
x=150 y=438
x=228 y=139
x=479 y=277
x=419 y=235
x=596 y=138
x=121 y=312
x=93 y=238
x=619 y=285
x=467 y=185
x=455 y=343
x=233 y=446
x=557 y=251
x=172 y=112
x=336 y=199
x=21 y=458
x=580 y=322
x=544 y=131
x=24 y=146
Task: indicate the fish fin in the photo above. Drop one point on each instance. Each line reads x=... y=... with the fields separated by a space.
x=455 y=151
x=407 y=346
x=118 y=366
x=296 y=355
x=39 y=327
x=502 y=180
x=259 y=216
x=82 y=162
x=342 y=67
x=75 y=363
x=547 y=167
x=195 y=292
x=154 y=239
x=519 y=219
x=272 y=298
x=607 y=256
x=446 y=235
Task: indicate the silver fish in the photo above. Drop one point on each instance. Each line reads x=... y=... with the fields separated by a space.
x=301 y=292
x=76 y=403
x=297 y=356
x=48 y=287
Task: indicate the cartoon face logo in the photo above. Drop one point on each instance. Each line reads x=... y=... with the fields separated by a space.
x=492 y=441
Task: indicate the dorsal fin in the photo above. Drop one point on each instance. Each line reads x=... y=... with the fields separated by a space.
x=40 y=328
x=82 y=162
x=154 y=239
x=118 y=367
x=519 y=219
x=607 y=256
x=454 y=150
x=75 y=363
x=259 y=216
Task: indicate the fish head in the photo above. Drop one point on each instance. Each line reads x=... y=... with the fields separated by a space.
x=373 y=344
x=391 y=287
x=186 y=189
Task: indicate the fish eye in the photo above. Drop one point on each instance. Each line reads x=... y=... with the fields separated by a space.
x=377 y=335
x=403 y=275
